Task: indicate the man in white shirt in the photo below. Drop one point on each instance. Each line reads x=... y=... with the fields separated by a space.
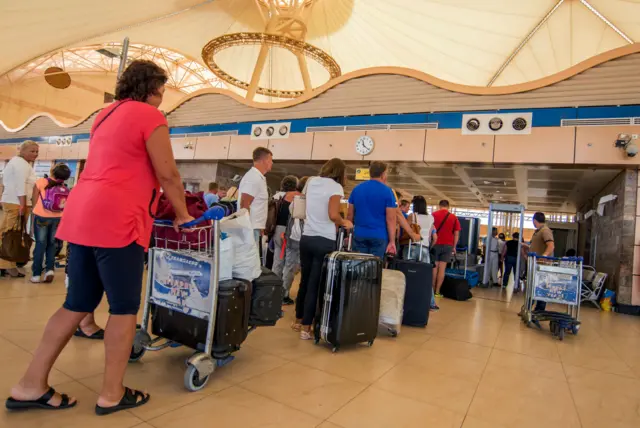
x=253 y=194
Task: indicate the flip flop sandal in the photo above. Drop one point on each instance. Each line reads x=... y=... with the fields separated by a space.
x=40 y=403
x=98 y=335
x=129 y=401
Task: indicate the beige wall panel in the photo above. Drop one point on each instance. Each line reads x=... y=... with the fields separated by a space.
x=70 y=152
x=328 y=145
x=213 y=148
x=242 y=147
x=7 y=151
x=595 y=145
x=297 y=147
x=397 y=145
x=449 y=145
x=184 y=148
x=83 y=149
x=50 y=152
x=543 y=145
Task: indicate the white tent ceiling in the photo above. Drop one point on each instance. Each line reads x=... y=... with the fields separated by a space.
x=471 y=42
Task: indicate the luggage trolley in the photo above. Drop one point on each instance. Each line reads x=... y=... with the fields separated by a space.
x=553 y=280
x=184 y=276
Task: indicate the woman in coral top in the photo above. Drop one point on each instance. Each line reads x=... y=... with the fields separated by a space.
x=107 y=223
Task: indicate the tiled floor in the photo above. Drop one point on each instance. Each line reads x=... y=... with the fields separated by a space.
x=474 y=366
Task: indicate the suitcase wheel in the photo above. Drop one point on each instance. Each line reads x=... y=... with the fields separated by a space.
x=192 y=380
x=335 y=349
x=370 y=343
x=393 y=332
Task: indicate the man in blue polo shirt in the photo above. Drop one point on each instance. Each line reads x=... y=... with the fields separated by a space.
x=373 y=211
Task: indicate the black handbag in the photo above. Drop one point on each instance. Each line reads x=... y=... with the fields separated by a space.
x=16 y=243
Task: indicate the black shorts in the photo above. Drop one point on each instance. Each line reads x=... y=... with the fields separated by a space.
x=115 y=271
x=442 y=253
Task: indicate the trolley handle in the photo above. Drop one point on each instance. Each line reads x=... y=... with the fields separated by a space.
x=214 y=213
x=559 y=259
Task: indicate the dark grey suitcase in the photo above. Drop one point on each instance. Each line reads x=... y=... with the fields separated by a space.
x=349 y=300
x=266 y=299
x=418 y=291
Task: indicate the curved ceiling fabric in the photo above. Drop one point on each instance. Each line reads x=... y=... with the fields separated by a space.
x=461 y=41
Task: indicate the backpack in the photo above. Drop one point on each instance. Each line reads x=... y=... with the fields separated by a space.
x=55 y=197
x=272 y=215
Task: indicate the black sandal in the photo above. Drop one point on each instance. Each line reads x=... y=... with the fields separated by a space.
x=129 y=401
x=98 y=335
x=40 y=403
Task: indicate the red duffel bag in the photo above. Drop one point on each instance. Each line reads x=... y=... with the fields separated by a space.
x=167 y=237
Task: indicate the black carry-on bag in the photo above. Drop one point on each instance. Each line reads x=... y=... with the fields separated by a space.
x=349 y=300
x=266 y=299
x=419 y=288
x=456 y=288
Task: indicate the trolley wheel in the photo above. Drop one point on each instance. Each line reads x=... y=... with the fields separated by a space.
x=575 y=329
x=560 y=333
x=335 y=349
x=370 y=343
x=135 y=356
x=192 y=380
x=553 y=327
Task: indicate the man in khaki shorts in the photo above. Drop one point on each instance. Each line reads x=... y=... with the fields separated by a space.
x=542 y=244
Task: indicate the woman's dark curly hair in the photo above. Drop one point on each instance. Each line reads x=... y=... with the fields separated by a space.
x=140 y=80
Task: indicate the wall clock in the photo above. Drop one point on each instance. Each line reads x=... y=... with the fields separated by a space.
x=364 y=145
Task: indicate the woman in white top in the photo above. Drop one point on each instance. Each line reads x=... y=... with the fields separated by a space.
x=18 y=179
x=323 y=197
x=421 y=217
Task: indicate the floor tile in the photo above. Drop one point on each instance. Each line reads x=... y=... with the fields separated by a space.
x=376 y=408
x=355 y=363
x=596 y=356
x=83 y=415
x=455 y=348
x=309 y=390
x=471 y=422
x=604 y=399
x=164 y=380
x=531 y=342
x=429 y=386
x=236 y=407
x=527 y=364
x=447 y=365
x=248 y=363
x=514 y=398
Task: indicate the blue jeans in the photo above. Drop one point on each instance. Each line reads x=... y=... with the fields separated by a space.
x=373 y=246
x=45 y=229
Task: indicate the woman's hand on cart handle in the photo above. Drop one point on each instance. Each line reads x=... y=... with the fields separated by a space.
x=184 y=222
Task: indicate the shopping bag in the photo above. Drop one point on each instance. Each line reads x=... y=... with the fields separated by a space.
x=16 y=243
x=246 y=259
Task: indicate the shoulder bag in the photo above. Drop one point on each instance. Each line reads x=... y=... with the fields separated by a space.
x=299 y=204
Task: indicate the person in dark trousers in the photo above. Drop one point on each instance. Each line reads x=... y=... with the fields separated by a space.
x=542 y=244
x=511 y=259
x=323 y=197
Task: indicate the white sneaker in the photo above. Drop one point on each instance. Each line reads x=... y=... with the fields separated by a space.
x=48 y=276
x=36 y=279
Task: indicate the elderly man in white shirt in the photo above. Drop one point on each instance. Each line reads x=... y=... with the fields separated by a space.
x=253 y=194
x=18 y=179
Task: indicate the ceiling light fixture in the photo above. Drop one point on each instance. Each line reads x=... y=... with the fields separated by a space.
x=606 y=21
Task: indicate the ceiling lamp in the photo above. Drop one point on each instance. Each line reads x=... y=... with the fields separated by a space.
x=285 y=28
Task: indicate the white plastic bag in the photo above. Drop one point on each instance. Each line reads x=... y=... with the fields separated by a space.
x=226 y=259
x=246 y=260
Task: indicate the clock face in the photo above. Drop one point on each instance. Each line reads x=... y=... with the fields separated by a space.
x=364 y=145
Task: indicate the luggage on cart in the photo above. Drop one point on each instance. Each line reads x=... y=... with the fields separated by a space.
x=455 y=287
x=392 y=300
x=266 y=299
x=349 y=302
x=418 y=292
x=232 y=321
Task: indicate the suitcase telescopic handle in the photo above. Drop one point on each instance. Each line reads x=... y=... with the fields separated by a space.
x=341 y=232
x=409 y=251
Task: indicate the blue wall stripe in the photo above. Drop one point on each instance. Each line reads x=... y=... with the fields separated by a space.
x=544 y=117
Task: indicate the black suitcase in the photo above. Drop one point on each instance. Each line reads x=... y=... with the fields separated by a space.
x=266 y=299
x=418 y=292
x=232 y=321
x=455 y=288
x=349 y=299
